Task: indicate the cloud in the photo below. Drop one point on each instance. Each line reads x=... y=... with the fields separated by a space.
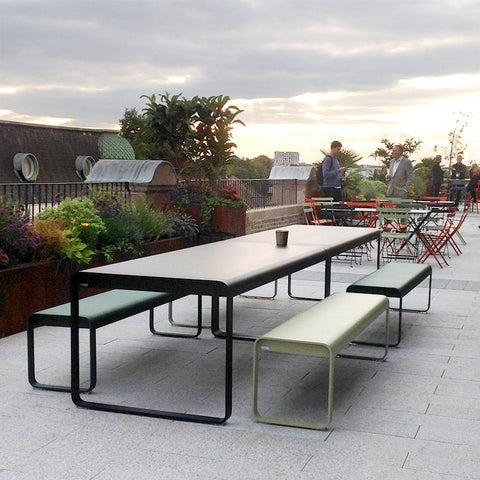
x=327 y=66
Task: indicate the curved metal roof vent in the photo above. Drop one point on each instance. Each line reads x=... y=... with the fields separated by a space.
x=152 y=172
x=84 y=165
x=26 y=166
x=112 y=145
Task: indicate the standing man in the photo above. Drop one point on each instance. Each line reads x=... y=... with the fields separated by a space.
x=333 y=173
x=400 y=175
x=437 y=176
x=459 y=170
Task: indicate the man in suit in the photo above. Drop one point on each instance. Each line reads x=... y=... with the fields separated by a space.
x=400 y=175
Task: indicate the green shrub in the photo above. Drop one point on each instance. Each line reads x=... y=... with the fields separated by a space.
x=79 y=212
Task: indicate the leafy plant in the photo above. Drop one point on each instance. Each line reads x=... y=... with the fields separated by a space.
x=78 y=211
x=131 y=226
x=372 y=189
x=18 y=241
x=229 y=195
x=184 y=226
x=57 y=242
x=181 y=198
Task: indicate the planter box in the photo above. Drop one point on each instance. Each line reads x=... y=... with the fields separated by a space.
x=28 y=288
x=229 y=219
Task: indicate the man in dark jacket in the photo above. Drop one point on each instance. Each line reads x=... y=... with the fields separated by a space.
x=333 y=173
x=437 y=176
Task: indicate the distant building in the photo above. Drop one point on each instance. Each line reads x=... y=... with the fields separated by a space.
x=286 y=158
x=48 y=154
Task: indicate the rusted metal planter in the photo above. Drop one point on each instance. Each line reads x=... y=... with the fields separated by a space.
x=28 y=288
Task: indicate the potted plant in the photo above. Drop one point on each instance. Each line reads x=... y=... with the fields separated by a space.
x=226 y=212
x=37 y=260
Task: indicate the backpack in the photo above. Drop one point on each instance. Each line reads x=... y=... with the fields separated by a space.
x=320 y=171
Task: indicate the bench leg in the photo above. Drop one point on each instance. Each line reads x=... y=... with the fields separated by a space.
x=285 y=421
x=400 y=311
x=428 y=304
x=177 y=335
x=385 y=344
x=58 y=388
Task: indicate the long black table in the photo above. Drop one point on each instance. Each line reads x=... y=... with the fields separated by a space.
x=222 y=269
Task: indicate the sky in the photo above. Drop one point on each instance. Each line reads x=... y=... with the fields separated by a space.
x=303 y=72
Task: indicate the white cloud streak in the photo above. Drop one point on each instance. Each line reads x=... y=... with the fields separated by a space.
x=304 y=72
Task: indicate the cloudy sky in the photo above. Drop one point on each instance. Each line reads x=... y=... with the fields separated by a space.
x=304 y=72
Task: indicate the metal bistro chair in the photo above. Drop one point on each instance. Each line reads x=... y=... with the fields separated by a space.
x=475 y=201
x=397 y=242
x=437 y=243
x=310 y=213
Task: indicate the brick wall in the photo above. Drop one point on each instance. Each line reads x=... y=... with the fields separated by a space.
x=274 y=217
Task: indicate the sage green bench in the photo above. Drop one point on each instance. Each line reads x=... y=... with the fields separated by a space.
x=97 y=311
x=395 y=280
x=321 y=331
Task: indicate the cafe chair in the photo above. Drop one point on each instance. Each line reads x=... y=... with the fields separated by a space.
x=437 y=244
x=397 y=241
x=310 y=213
x=475 y=201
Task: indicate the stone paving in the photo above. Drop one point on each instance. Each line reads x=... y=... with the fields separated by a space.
x=414 y=416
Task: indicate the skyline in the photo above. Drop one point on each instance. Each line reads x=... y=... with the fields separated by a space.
x=305 y=73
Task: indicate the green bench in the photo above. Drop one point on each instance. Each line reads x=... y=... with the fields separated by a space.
x=321 y=331
x=395 y=280
x=97 y=311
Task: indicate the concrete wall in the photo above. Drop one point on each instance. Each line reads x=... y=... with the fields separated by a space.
x=274 y=217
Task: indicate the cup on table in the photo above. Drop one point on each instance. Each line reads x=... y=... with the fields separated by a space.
x=282 y=238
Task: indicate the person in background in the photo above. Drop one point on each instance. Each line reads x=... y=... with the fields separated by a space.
x=473 y=183
x=459 y=170
x=333 y=173
x=400 y=174
x=437 y=176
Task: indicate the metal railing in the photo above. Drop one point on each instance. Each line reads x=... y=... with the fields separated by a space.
x=37 y=196
x=264 y=193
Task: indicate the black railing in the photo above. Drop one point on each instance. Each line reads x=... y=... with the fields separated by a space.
x=265 y=193
x=37 y=196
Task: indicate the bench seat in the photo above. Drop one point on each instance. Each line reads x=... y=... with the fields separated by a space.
x=395 y=280
x=95 y=312
x=321 y=331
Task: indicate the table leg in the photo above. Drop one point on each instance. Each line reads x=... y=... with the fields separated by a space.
x=147 y=412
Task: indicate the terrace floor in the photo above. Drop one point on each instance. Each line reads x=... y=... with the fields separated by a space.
x=414 y=416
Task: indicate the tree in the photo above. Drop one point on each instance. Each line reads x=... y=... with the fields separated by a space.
x=169 y=122
x=422 y=183
x=256 y=168
x=210 y=147
x=133 y=128
x=384 y=153
x=455 y=140
x=195 y=135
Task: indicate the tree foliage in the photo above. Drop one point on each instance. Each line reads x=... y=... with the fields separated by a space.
x=455 y=139
x=384 y=152
x=255 y=168
x=422 y=183
x=195 y=134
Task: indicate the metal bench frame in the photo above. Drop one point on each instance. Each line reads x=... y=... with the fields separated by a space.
x=395 y=280
x=321 y=331
x=98 y=311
